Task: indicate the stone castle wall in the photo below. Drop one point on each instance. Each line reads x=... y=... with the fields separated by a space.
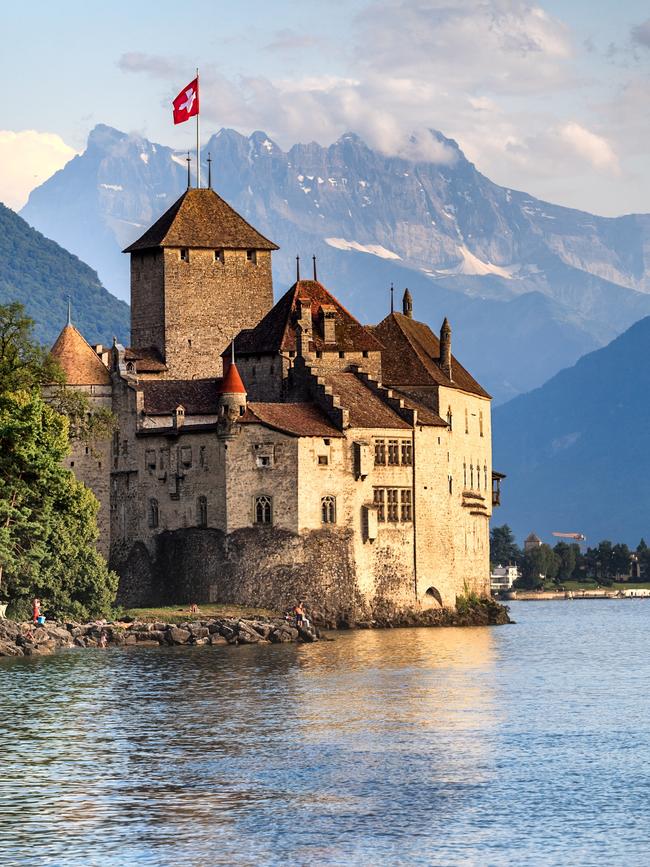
x=206 y=302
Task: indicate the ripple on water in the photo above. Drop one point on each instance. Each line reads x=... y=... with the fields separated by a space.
x=515 y=745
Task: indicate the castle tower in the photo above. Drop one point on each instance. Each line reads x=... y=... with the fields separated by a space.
x=232 y=399
x=85 y=372
x=199 y=276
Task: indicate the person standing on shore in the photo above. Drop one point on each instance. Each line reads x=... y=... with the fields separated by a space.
x=36 y=609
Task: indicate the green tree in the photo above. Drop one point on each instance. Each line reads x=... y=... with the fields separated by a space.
x=24 y=366
x=620 y=560
x=568 y=559
x=539 y=564
x=503 y=548
x=48 y=526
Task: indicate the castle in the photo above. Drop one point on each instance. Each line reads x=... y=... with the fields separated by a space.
x=265 y=453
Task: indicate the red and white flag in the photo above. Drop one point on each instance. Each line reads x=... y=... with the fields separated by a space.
x=186 y=104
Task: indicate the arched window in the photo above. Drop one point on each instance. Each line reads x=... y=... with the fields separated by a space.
x=480 y=421
x=471 y=477
x=485 y=478
x=328 y=510
x=153 y=512
x=263 y=509
x=450 y=418
x=465 y=474
x=466 y=421
x=202 y=511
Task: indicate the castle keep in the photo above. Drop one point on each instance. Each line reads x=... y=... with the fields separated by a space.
x=266 y=453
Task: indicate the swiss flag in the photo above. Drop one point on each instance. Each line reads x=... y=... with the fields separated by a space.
x=186 y=104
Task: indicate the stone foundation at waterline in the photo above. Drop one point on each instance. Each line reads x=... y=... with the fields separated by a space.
x=267 y=568
x=25 y=639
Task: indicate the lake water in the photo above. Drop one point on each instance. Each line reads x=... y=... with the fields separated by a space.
x=515 y=745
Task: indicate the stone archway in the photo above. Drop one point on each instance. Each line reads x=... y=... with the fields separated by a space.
x=431 y=596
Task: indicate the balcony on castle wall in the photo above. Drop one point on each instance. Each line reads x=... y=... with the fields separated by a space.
x=497 y=478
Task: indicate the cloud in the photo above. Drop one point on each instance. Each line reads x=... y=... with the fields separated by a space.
x=640 y=35
x=498 y=76
x=152 y=64
x=29 y=157
x=589 y=146
x=287 y=41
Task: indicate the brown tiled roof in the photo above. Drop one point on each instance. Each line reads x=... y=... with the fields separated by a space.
x=147 y=359
x=297 y=419
x=80 y=362
x=366 y=409
x=198 y=396
x=410 y=355
x=427 y=415
x=276 y=331
x=201 y=218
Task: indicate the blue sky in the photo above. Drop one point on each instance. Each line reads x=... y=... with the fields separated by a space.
x=550 y=97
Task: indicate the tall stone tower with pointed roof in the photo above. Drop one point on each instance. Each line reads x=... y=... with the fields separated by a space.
x=86 y=371
x=199 y=276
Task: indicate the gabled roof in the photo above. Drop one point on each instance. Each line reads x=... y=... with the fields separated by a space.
x=147 y=359
x=276 y=331
x=423 y=403
x=201 y=218
x=80 y=362
x=198 y=396
x=366 y=409
x=410 y=357
x=296 y=419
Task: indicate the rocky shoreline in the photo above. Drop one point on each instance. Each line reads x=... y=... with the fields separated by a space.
x=25 y=639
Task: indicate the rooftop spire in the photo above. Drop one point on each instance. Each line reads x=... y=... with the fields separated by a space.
x=187 y=160
x=297 y=269
x=69 y=322
x=314 y=261
x=209 y=171
x=407 y=304
x=392 y=303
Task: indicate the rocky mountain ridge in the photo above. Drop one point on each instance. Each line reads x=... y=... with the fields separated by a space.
x=529 y=286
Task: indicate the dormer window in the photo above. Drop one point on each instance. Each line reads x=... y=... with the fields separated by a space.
x=251 y=256
x=185 y=254
x=218 y=256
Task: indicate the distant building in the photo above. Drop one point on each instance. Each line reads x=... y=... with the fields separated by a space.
x=269 y=453
x=503 y=577
x=532 y=541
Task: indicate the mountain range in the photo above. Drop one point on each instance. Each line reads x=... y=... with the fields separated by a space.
x=576 y=450
x=42 y=276
x=529 y=286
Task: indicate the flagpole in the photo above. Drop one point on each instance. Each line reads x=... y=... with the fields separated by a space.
x=198 y=152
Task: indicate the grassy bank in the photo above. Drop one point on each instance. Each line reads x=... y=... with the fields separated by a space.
x=182 y=613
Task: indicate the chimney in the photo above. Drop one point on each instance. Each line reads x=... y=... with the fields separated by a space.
x=304 y=326
x=178 y=419
x=445 y=349
x=407 y=304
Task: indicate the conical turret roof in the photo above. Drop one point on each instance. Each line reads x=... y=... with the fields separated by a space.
x=232 y=381
x=80 y=362
x=201 y=218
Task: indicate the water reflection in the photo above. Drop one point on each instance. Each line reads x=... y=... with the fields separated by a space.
x=398 y=747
